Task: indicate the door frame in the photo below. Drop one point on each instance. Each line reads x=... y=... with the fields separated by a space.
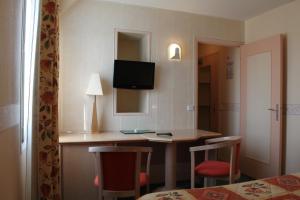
x=209 y=41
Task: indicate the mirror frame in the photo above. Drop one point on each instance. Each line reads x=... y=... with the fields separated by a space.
x=148 y=92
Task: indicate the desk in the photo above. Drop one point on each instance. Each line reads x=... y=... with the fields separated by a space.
x=117 y=138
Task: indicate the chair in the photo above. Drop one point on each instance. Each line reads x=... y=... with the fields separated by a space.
x=118 y=171
x=217 y=169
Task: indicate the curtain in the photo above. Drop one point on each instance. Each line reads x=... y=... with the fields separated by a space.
x=48 y=153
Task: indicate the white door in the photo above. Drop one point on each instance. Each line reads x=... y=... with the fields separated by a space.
x=261 y=103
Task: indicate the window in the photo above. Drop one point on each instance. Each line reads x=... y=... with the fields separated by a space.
x=30 y=27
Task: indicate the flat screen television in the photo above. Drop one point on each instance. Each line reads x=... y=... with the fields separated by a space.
x=133 y=74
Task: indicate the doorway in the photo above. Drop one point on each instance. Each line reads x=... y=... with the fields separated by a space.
x=239 y=92
x=218 y=88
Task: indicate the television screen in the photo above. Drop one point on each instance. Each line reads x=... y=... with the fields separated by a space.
x=133 y=74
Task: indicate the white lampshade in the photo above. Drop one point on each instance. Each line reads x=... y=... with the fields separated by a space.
x=94 y=87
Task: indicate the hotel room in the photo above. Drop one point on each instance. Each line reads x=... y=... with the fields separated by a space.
x=152 y=99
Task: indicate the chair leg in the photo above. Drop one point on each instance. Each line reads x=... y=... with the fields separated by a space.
x=193 y=180
x=192 y=170
x=148 y=188
x=100 y=197
x=205 y=182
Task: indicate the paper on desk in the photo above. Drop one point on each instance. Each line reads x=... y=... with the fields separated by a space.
x=155 y=138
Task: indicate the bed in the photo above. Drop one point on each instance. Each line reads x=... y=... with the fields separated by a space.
x=285 y=187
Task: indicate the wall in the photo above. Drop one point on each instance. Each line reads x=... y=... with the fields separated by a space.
x=87 y=46
x=10 y=29
x=284 y=20
x=229 y=92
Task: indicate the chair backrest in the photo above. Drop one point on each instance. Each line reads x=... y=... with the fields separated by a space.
x=223 y=139
x=234 y=141
x=118 y=169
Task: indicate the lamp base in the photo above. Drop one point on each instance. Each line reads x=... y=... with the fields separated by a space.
x=94 y=124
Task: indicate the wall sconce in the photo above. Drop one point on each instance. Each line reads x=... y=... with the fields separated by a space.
x=174 y=52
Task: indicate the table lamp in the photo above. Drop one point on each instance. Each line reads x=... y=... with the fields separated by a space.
x=94 y=89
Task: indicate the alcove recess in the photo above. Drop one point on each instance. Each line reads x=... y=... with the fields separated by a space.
x=133 y=46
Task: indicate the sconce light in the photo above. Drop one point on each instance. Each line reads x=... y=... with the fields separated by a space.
x=174 y=52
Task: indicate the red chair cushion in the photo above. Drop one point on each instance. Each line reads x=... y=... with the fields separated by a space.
x=213 y=168
x=144 y=180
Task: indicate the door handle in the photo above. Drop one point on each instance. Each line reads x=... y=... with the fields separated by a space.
x=275 y=110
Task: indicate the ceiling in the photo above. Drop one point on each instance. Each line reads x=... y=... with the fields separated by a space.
x=231 y=9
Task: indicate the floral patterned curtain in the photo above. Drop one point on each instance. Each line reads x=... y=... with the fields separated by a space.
x=48 y=154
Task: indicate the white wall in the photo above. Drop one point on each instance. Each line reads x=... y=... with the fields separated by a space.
x=10 y=173
x=87 y=46
x=229 y=92
x=285 y=20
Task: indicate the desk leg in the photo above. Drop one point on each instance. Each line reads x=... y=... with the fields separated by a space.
x=170 y=166
x=61 y=171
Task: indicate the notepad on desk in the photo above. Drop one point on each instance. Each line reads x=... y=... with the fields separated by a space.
x=158 y=138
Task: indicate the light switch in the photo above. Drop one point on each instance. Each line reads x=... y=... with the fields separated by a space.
x=154 y=106
x=190 y=107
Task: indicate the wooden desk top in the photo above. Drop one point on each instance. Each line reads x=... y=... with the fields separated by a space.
x=117 y=137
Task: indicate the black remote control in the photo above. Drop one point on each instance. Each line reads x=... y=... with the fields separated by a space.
x=164 y=134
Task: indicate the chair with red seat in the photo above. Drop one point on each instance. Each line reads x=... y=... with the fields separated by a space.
x=217 y=169
x=118 y=170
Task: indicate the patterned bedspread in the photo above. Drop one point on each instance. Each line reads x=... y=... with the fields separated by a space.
x=278 y=188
